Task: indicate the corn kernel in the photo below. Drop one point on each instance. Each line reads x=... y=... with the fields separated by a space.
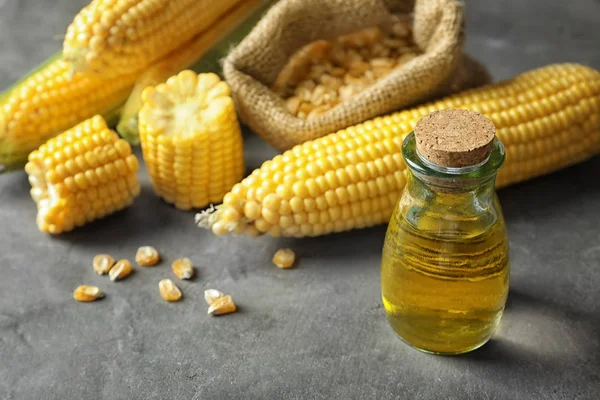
x=86 y=293
x=183 y=268
x=169 y=291
x=120 y=270
x=147 y=256
x=212 y=295
x=102 y=263
x=221 y=306
x=284 y=258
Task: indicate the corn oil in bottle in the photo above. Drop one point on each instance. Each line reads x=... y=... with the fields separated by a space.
x=445 y=267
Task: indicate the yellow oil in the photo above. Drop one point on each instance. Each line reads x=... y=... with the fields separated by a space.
x=444 y=281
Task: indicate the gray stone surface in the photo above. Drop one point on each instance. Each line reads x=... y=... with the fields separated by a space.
x=318 y=331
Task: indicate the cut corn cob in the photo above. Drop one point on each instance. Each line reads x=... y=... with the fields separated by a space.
x=83 y=174
x=548 y=118
x=129 y=35
x=50 y=101
x=187 y=55
x=191 y=139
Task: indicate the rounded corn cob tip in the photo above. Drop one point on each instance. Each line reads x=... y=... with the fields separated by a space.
x=191 y=139
x=109 y=36
x=547 y=119
x=81 y=175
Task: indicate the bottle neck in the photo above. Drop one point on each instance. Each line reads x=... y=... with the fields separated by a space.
x=451 y=193
x=450 y=202
x=453 y=186
x=471 y=180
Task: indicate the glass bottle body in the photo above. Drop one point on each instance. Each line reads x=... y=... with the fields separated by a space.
x=445 y=265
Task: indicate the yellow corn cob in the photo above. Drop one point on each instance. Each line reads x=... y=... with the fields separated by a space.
x=191 y=139
x=182 y=58
x=129 y=35
x=548 y=118
x=51 y=101
x=83 y=174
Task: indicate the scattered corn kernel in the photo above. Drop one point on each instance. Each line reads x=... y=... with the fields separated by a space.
x=183 y=268
x=169 y=291
x=86 y=293
x=284 y=258
x=212 y=295
x=120 y=270
x=147 y=256
x=102 y=263
x=223 y=305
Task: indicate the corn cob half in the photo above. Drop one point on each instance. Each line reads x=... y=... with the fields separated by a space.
x=188 y=56
x=129 y=35
x=50 y=101
x=81 y=175
x=547 y=118
x=191 y=139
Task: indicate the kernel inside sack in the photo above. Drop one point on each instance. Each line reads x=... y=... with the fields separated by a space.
x=324 y=73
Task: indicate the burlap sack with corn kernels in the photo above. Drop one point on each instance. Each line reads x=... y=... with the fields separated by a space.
x=440 y=67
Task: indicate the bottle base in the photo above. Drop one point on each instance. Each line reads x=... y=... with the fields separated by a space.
x=444 y=352
x=445 y=336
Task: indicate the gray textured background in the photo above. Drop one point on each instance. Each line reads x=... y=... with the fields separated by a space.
x=317 y=331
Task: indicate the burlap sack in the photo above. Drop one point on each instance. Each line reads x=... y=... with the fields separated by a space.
x=254 y=65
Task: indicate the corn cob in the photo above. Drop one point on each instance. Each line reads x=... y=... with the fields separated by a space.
x=81 y=175
x=129 y=35
x=185 y=57
x=547 y=118
x=191 y=139
x=50 y=101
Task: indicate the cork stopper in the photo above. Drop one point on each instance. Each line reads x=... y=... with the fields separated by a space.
x=455 y=138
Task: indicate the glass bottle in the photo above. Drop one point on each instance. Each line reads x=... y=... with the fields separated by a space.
x=445 y=268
